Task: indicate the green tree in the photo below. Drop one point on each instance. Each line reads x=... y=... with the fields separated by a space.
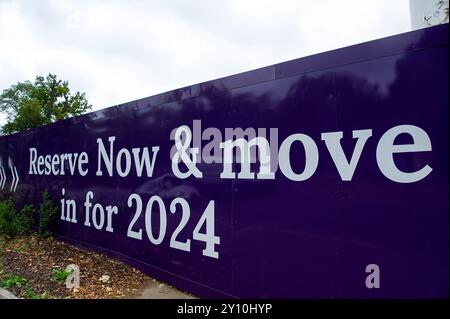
x=47 y=100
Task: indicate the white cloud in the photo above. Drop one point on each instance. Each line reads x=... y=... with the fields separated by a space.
x=117 y=51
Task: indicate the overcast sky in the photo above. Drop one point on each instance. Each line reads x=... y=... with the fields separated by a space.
x=118 y=51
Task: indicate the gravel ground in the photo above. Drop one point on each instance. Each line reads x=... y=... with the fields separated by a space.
x=34 y=258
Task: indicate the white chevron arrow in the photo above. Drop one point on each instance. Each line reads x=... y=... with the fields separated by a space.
x=2 y=177
x=15 y=180
x=12 y=173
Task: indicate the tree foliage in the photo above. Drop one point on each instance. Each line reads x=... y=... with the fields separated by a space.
x=47 y=100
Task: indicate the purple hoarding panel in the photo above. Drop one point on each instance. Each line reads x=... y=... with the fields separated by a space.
x=353 y=202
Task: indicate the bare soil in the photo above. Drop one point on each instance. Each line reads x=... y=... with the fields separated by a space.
x=101 y=276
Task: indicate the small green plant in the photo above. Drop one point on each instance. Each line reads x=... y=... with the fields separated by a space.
x=13 y=224
x=24 y=221
x=48 y=211
x=2 y=243
x=8 y=226
x=61 y=275
x=12 y=281
x=30 y=294
x=20 y=249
